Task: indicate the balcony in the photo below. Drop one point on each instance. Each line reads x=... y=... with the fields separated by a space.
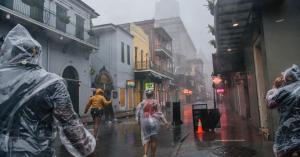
x=163 y=51
x=61 y=27
x=147 y=66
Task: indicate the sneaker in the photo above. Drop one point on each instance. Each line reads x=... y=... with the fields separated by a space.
x=145 y=155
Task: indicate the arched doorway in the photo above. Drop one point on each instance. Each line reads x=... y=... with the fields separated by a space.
x=71 y=76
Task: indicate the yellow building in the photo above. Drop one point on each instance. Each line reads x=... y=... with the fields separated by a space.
x=140 y=58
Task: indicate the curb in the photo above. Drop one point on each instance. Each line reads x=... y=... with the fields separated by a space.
x=178 y=147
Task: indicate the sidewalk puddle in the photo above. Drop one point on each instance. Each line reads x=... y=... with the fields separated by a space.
x=234 y=151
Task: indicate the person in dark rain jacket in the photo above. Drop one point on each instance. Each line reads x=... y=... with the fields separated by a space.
x=34 y=104
x=286 y=99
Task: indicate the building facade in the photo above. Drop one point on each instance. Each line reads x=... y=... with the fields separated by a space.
x=62 y=28
x=140 y=56
x=251 y=55
x=157 y=69
x=184 y=53
x=113 y=65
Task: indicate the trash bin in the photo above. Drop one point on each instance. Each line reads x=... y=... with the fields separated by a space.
x=200 y=112
x=176 y=113
x=209 y=117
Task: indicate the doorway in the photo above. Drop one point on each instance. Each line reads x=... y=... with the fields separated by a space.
x=261 y=84
x=70 y=74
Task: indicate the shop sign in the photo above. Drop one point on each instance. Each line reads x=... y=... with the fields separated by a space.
x=130 y=83
x=149 y=86
x=221 y=91
x=187 y=92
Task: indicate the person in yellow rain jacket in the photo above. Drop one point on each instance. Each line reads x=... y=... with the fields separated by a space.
x=97 y=104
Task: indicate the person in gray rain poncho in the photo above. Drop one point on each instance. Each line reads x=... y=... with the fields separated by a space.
x=149 y=116
x=32 y=102
x=286 y=97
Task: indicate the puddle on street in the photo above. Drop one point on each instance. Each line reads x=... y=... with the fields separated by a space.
x=234 y=151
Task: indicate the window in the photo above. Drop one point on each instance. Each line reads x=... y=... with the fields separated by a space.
x=61 y=18
x=135 y=55
x=128 y=54
x=122 y=53
x=79 y=27
x=37 y=10
x=142 y=56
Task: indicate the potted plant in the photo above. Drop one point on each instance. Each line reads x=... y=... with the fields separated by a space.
x=91 y=33
x=211 y=6
x=213 y=43
x=212 y=29
x=65 y=19
x=92 y=71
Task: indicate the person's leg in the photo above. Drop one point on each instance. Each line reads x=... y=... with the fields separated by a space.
x=153 y=146
x=146 y=148
x=97 y=121
x=112 y=116
x=106 y=113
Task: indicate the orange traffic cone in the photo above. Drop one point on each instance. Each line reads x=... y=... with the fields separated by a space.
x=199 y=129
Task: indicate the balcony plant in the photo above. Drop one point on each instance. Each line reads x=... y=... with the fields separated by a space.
x=65 y=19
x=213 y=43
x=91 y=33
x=211 y=6
x=212 y=29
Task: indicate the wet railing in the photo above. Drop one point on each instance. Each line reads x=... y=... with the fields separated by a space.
x=163 y=49
x=40 y=13
x=146 y=65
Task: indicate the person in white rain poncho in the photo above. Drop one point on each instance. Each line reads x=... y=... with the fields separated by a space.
x=149 y=117
x=286 y=98
x=34 y=102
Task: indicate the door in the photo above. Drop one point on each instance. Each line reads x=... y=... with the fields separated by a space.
x=261 y=85
x=37 y=10
x=61 y=13
x=122 y=97
x=79 y=27
x=71 y=76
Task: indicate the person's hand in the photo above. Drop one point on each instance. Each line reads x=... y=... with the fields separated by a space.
x=168 y=125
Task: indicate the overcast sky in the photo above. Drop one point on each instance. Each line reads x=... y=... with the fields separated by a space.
x=194 y=14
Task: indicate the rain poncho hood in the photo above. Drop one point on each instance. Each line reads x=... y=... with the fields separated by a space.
x=32 y=102
x=20 y=47
x=99 y=92
x=287 y=100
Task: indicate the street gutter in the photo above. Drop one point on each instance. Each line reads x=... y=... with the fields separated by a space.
x=178 y=146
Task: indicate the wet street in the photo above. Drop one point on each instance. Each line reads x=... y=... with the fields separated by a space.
x=235 y=138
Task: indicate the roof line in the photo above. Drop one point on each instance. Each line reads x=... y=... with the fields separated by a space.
x=115 y=26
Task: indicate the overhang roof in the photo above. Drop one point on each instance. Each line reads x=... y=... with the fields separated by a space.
x=227 y=13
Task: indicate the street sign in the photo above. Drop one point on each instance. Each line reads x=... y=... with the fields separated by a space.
x=149 y=86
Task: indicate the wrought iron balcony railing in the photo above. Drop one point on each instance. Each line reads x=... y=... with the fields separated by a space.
x=163 y=50
x=38 y=12
x=146 y=65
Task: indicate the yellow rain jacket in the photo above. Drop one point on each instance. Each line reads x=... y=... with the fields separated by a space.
x=97 y=101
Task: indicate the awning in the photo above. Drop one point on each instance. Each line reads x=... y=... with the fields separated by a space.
x=232 y=19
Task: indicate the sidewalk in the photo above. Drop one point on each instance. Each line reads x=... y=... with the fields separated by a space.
x=235 y=138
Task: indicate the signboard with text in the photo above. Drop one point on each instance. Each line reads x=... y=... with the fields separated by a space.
x=149 y=86
x=130 y=83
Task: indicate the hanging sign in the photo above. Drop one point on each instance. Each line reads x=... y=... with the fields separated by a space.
x=149 y=86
